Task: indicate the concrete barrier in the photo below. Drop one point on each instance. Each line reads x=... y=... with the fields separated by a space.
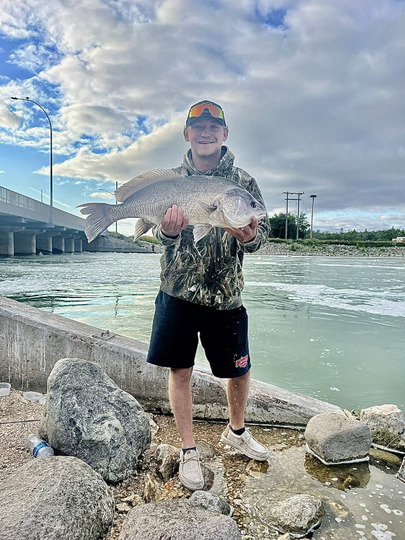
x=32 y=341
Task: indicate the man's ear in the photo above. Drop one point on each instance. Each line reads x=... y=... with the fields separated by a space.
x=185 y=135
x=226 y=133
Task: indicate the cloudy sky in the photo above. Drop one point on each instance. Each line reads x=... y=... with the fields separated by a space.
x=313 y=92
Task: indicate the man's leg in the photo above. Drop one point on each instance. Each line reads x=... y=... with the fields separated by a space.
x=235 y=434
x=181 y=403
x=237 y=394
x=180 y=399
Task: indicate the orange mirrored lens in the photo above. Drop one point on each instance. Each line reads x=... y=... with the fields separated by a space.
x=198 y=110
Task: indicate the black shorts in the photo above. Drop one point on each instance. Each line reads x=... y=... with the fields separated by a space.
x=223 y=334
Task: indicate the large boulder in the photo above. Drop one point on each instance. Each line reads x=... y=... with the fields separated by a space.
x=335 y=439
x=296 y=515
x=387 y=425
x=177 y=520
x=54 y=498
x=86 y=415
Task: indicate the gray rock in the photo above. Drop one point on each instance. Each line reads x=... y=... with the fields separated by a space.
x=54 y=498
x=401 y=472
x=205 y=450
x=296 y=515
x=335 y=439
x=210 y=501
x=177 y=520
x=209 y=477
x=167 y=459
x=86 y=415
x=387 y=425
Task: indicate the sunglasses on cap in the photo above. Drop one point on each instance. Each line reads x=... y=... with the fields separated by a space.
x=206 y=109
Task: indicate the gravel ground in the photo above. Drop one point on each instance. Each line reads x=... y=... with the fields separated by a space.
x=330 y=250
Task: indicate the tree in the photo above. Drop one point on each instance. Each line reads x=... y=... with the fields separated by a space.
x=277 y=226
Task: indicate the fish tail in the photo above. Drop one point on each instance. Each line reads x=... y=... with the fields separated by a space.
x=99 y=217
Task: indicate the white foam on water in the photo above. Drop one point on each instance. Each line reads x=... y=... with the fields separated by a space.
x=381 y=531
x=359 y=300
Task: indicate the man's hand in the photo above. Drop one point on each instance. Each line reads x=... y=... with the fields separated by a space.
x=246 y=233
x=173 y=222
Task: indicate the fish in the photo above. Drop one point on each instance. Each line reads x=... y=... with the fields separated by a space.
x=207 y=201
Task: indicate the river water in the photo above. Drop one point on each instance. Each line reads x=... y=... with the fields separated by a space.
x=331 y=328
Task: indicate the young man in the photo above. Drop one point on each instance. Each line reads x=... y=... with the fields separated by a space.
x=200 y=293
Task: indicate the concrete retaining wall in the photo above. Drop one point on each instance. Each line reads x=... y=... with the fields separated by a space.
x=32 y=341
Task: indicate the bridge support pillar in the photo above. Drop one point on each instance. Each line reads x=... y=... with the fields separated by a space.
x=44 y=242
x=6 y=243
x=69 y=244
x=77 y=244
x=7 y=240
x=58 y=245
x=25 y=242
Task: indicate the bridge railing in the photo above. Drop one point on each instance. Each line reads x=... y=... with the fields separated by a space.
x=14 y=203
x=16 y=199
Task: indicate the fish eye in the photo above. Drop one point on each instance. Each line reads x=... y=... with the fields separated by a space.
x=253 y=204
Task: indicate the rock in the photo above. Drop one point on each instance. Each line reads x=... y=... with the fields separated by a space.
x=401 y=472
x=210 y=501
x=205 y=450
x=151 y=491
x=336 y=439
x=86 y=415
x=208 y=476
x=177 y=520
x=54 y=498
x=387 y=425
x=167 y=459
x=296 y=515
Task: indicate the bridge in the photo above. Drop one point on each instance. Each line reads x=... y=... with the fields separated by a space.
x=25 y=229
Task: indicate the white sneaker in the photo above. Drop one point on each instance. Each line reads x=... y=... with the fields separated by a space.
x=190 y=471
x=246 y=444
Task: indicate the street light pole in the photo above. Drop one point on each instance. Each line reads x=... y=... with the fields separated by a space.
x=313 y=197
x=50 y=156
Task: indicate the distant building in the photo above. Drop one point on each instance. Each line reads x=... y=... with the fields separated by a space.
x=399 y=239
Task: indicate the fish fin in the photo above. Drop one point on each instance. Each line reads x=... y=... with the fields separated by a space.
x=200 y=231
x=142 y=226
x=207 y=207
x=143 y=180
x=99 y=217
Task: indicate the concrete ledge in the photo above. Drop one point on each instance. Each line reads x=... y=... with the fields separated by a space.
x=32 y=341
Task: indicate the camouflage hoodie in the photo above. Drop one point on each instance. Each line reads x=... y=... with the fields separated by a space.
x=210 y=274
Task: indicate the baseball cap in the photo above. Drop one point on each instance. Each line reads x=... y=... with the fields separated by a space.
x=203 y=109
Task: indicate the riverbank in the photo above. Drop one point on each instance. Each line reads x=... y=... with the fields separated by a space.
x=349 y=493
x=330 y=250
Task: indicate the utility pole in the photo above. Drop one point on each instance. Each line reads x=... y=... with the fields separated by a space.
x=286 y=215
x=313 y=197
x=298 y=193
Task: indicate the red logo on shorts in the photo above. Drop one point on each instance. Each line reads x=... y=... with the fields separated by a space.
x=242 y=362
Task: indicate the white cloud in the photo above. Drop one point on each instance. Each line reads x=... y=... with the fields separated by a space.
x=314 y=105
x=8 y=119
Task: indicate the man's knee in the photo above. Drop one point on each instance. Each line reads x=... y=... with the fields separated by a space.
x=181 y=375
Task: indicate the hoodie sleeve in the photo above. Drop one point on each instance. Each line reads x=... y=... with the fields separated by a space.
x=163 y=239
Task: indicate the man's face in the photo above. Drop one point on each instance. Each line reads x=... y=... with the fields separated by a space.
x=205 y=136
